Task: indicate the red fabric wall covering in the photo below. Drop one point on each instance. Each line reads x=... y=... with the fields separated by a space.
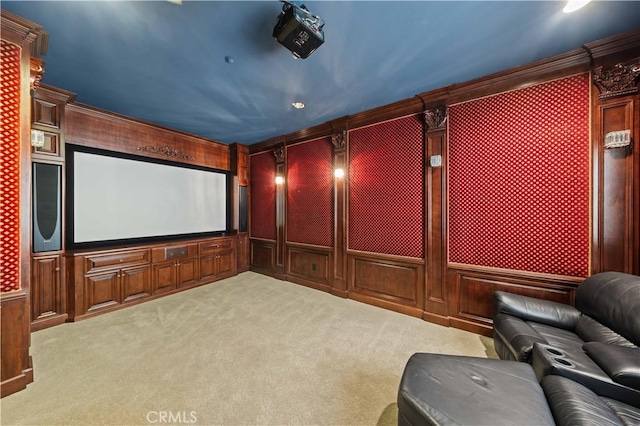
x=310 y=192
x=9 y=167
x=263 y=195
x=386 y=188
x=519 y=179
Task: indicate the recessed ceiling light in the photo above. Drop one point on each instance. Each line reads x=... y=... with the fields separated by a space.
x=298 y=105
x=573 y=5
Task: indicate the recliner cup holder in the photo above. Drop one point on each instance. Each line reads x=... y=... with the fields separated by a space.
x=563 y=362
x=554 y=351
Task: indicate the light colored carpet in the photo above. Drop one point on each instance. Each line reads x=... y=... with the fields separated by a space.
x=248 y=350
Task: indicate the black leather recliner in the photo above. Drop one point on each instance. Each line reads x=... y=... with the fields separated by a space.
x=594 y=343
x=454 y=390
x=607 y=309
x=586 y=360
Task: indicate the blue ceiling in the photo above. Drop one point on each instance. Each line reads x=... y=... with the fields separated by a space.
x=165 y=63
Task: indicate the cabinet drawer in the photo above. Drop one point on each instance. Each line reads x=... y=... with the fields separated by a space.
x=214 y=246
x=115 y=260
x=181 y=251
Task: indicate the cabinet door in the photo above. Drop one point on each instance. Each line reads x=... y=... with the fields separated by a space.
x=164 y=277
x=101 y=291
x=226 y=264
x=47 y=296
x=135 y=283
x=188 y=272
x=208 y=267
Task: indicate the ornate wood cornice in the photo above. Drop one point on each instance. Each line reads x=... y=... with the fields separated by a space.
x=36 y=70
x=435 y=118
x=619 y=80
x=166 y=150
x=279 y=154
x=26 y=30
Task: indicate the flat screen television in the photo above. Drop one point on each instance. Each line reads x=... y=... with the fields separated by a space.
x=116 y=199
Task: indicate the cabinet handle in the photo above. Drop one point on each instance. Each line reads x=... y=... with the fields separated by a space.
x=57 y=269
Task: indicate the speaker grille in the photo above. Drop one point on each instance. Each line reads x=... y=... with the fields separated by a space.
x=46 y=207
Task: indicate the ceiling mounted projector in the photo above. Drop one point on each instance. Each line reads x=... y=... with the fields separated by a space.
x=298 y=30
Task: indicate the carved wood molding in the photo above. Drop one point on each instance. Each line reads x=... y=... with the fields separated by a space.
x=435 y=118
x=620 y=80
x=339 y=140
x=36 y=71
x=279 y=154
x=166 y=150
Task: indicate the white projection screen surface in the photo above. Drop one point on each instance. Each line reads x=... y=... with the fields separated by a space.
x=120 y=199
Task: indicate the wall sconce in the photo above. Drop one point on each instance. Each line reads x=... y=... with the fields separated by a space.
x=37 y=138
x=279 y=180
x=338 y=173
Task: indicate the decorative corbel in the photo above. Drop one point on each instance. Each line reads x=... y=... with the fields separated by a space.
x=36 y=71
x=620 y=80
x=279 y=154
x=338 y=140
x=435 y=118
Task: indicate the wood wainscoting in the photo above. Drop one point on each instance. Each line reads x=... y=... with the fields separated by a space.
x=17 y=368
x=390 y=282
x=309 y=265
x=471 y=293
x=262 y=256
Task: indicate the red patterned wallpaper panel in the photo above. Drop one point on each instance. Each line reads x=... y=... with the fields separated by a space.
x=519 y=179
x=263 y=195
x=310 y=192
x=386 y=183
x=9 y=167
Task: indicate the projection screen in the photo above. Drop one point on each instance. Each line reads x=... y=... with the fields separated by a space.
x=117 y=198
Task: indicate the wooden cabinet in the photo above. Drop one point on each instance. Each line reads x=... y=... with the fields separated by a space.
x=114 y=278
x=47 y=114
x=218 y=259
x=101 y=281
x=177 y=267
x=48 y=305
x=48 y=290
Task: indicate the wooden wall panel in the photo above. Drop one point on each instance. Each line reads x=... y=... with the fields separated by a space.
x=376 y=280
x=471 y=293
x=263 y=254
x=309 y=266
x=16 y=370
x=435 y=304
x=616 y=231
x=99 y=129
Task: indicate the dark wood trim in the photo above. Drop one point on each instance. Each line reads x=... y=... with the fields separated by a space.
x=93 y=127
x=435 y=303
x=340 y=142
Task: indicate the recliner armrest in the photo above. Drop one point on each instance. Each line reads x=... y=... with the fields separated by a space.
x=621 y=363
x=517 y=336
x=536 y=310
